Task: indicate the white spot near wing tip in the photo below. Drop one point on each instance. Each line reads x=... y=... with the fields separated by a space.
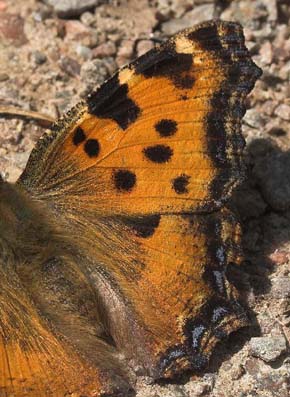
x=125 y=75
x=184 y=45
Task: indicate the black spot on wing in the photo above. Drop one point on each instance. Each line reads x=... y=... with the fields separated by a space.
x=92 y=147
x=111 y=101
x=78 y=136
x=124 y=180
x=184 y=97
x=166 y=62
x=207 y=37
x=144 y=226
x=185 y=82
x=158 y=153
x=180 y=184
x=166 y=127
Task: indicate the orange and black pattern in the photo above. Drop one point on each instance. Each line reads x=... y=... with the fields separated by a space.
x=129 y=237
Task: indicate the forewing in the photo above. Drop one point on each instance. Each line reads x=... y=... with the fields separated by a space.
x=162 y=135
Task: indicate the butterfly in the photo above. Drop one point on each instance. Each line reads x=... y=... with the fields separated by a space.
x=114 y=242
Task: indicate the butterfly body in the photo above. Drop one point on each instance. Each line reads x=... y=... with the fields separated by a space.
x=117 y=232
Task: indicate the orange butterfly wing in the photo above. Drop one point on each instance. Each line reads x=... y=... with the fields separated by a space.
x=163 y=135
x=137 y=173
x=186 y=302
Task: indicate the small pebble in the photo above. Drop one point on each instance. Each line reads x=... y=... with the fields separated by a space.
x=75 y=29
x=281 y=287
x=268 y=348
x=111 y=65
x=143 y=46
x=253 y=118
x=71 y=8
x=266 y=53
x=4 y=77
x=83 y=51
x=283 y=111
x=93 y=73
x=44 y=12
x=3 y=6
x=88 y=19
x=198 y=14
x=12 y=29
x=125 y=52
x=70 y=66
x=39 y=57
x=104 y=50
x=238 y=372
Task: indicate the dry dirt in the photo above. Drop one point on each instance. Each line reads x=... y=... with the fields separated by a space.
x=51 y=57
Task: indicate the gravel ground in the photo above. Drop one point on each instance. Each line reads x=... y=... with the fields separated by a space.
x=54 y=52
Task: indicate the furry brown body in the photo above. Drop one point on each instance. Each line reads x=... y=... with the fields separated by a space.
x=49 y=305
